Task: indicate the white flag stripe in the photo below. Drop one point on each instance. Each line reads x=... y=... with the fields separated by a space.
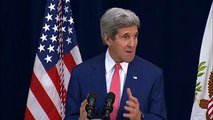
x=35 y=108
x=75 y=52
x=211 y=117
x=47 y=83
x=77 y=59
x=66 y=76
x=210 y=104
x=210 y=111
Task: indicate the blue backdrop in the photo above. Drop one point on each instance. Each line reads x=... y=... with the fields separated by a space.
x=170 y=36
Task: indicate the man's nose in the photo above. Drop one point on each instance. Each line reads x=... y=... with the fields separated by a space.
x=132 y=42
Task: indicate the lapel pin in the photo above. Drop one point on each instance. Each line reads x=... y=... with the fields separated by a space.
x=135 y=77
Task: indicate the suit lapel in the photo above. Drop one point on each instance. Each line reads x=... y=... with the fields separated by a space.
x=129 y=83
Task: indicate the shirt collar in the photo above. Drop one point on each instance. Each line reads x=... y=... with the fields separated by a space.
x=109 y=63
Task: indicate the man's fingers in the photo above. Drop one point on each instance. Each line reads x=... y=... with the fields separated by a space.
x=83 y=105
x=129 y=93
x=131 y=97
x=83 y=112
x=127 y=115
x=84 y=102
x=129 y=109
x=130 y=104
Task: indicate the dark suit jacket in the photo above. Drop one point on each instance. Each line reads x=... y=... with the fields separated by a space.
x=143 y=78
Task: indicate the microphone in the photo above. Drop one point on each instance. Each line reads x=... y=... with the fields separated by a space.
x=90 y=107
x=108 y=107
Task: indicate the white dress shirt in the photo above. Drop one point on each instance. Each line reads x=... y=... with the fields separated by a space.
x=109 y=65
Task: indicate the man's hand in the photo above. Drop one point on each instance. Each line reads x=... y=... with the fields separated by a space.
x=83 y=113
x=132 y=107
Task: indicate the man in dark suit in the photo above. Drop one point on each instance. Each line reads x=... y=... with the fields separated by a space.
x=141 y=92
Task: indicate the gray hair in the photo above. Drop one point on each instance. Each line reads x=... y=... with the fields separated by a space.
x=115 y=18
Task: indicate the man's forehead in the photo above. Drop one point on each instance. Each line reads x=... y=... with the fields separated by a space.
x=128 y=30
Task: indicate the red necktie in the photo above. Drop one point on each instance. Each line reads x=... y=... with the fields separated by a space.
x=115 y=88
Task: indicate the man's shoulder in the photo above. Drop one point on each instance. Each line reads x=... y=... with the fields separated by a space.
x=99 y=59
x=140 y=63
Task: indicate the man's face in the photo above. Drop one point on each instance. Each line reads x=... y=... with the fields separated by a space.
x=123 y=48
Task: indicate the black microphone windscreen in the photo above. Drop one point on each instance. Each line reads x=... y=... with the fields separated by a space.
x=111 y=96
x=91 y=95
x=108 y=107
x=90 y=107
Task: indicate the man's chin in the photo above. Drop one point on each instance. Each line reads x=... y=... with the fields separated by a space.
x=128 y=60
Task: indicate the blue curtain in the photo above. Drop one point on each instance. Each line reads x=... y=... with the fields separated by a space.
x=170 y=36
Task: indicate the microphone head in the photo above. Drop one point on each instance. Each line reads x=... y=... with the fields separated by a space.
x=90 y=107
x=108 y=107
x=110 y=96
x=91 y=95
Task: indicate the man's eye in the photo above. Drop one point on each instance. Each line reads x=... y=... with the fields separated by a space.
x=126 y=36
x=136 y=36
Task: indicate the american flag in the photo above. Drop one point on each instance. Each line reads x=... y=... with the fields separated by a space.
x=57 y=54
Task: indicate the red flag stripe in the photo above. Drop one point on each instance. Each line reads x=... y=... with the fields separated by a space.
x=47 y=83
x=44 y=99
x=210 y=113
x=35 y=108
x=28 y=115
x=211 y=100
x=54 y=76
x=210 y=108
x=69 y=61
x=66 y=77
x=66 y=73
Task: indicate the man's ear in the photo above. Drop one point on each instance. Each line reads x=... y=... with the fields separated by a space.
x=107 y=40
